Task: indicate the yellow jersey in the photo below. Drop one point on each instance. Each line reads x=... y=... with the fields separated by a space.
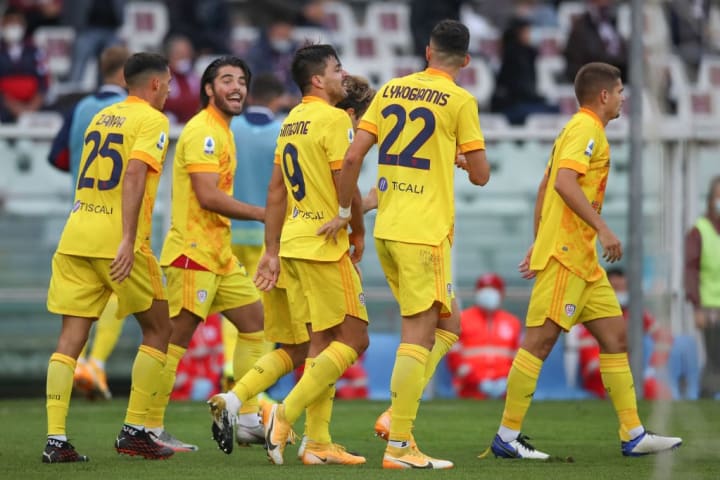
x=130 y=129
x=312 y=143
x=206 y=145
x=581 y=146
x=421 y=121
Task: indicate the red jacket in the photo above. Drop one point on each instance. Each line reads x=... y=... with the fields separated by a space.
x=485 y=350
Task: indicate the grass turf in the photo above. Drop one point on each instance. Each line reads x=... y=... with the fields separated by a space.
x=451 y=429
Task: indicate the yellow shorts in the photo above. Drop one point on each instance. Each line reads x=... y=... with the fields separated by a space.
x=81 y=286
x=279 y=325
x=203 y=292
x=248 y=256
x=323 y=293
x=567 y=299
x=419 y=275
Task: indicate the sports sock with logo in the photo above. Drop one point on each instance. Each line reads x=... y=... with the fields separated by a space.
x=58 y=391
x=249 y=347
x=618 y=381
x=444 y=341
x=319 y=413
x=267 y=370
x=406 y=387
x=156 y=415
x=146 y=370
x=522 y=381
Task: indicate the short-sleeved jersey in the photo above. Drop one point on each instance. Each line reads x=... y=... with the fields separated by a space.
x=131 y=129
x=205 y=145
x=312 y=143
x=581 y=146
x=421 y=122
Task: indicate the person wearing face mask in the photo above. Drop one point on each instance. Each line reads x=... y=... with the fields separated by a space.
x=23 y=76
x=183 y=102
x=490 y=336
x=655 y=384
x=702 y=285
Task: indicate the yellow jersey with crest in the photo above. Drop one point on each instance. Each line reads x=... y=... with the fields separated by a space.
x=312 y=143
x=421 y=121
x=583 y=147
x=206 y=145
x=130 y=129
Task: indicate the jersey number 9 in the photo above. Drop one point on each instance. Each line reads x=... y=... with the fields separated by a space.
x=296 y=179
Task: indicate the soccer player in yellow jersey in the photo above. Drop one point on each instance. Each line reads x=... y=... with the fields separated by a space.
x=570 y=285
x=420 y=122
x=203 y=275
x=323 y=288
x=105 y=248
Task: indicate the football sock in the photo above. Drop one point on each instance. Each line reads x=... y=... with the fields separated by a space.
x=58 y=390
x=147 y=368
x=267 y=370
x=618 y=381
x=107 y=331
x=229 y=337
x=406 y=387
x=522 y=381
x=249 y=347
x=444 y=341
x=318 y=414
x=166 y=381
x=321 y=374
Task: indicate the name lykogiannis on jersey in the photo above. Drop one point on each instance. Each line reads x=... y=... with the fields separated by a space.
x=405 y=92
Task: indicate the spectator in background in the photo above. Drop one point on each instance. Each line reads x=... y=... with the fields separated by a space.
x=594 y=37
x=425 y=14
x=206 y=23
x=689 y=31
x=23 y=75
x=38 y=13
x=516 y=94
x=183 y=102
x=702 y=285
x=655 y=385
x=490 y=337
x=96 y=24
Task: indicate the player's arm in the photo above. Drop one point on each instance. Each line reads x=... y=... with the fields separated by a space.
x=478 y=168
x=268 y=268
x=357 y=225
x=567 y=186
x=133 y=190
x=539 y=203
x=215 y=200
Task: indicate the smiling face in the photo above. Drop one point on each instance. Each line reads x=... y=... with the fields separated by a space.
x=333 y=80
x=228 y=90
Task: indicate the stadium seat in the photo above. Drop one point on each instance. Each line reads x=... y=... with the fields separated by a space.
x=202 y=62
x=341 y=25
x=655 y=34
x=568 y=12
x=551 y=123
x=684 y=368
x=550 y=71
x=145 y=26
x=312 y=35
x=402 y=65
x=391 y=22
x=57 y=43
x=478 y=79
x=562 y=95
x=704 y=110
x=709 y=72
x=242 y=39
x=548 y=40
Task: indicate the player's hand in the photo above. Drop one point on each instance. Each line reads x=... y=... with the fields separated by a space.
x=121 y=266
x=357 y=246
x=461 y=162
x=524 y=266
x=331 y=228
x=268 y=271
x=612 y=248
x=370 y=202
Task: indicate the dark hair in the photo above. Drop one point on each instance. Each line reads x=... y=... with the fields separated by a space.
x=112 y=59
x=310 y=60
x=615 y=272
x=142 y=63
x=265 y=88
x=211 y=72
x=451 y=38
x=592 y=78
x=359 y=95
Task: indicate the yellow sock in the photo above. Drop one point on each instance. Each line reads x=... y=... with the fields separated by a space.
x=266 y=371
x=107 y=331
x=444 y=341
x=618 y=381
x=166 y=382
x=58 y=390
x=318 y=414
x=229 y=337
x=321 y=374
x=406 y=387
x=249 y=347
x=522 y=381
x=146 y=370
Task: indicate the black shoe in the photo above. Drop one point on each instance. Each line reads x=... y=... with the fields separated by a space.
x=132 y=441
x=58 y=451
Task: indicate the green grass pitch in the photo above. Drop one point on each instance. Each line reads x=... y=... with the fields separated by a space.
x=451 y=429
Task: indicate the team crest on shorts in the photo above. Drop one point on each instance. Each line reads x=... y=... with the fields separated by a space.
x=361 y=298
x=569 y=309
x=202 y=295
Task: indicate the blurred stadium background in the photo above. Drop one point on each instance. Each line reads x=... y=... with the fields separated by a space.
x=494 y=224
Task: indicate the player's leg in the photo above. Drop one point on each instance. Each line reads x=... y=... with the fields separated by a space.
x=107 y=332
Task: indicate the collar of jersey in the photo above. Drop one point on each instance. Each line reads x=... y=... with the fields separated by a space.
x=134 y=99
x=213 y=111
x=312 y=98
x=439 y=73
x=592 y=114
